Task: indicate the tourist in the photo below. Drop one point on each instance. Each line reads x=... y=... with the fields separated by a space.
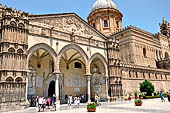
x=78 y=101
x=40 y=102
x=75 y=101
x=31 y=99
x=99 y=100
x=168 y=96
x=70 y=100
x=48 y=102
x=162 y=96
x=44 y=103
x=54 y=102
x=34 y=102
x=37 y=101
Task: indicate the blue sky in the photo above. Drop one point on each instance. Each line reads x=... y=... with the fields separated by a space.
x=144 y=14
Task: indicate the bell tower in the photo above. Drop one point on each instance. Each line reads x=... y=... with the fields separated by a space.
x=105 y=17
x=13 y=57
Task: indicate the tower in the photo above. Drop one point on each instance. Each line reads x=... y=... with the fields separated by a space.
x=105 y=17
x=13 y=57
x=165 y=28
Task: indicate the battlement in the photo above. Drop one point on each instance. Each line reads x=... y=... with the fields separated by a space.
x=7 y=11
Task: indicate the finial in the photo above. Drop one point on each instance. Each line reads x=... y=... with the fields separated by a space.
x=163 y=20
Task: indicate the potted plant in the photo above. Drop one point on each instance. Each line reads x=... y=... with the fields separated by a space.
x=141 y=96
x=91 y=107
x=136 y=94
x=129 y=98
x=138 y=102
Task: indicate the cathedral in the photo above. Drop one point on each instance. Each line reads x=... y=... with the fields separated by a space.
x=62 y=54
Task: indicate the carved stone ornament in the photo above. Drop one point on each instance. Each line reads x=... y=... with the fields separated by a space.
x=97 y=81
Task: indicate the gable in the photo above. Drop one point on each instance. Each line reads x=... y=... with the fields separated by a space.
x=68 y=23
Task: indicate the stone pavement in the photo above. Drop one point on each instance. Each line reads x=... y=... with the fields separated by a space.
x=149 y=106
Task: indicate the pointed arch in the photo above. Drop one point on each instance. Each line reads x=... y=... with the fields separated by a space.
x=44 y=46
x=102 y=59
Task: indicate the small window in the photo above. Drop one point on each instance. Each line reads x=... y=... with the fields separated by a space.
x=156 y=76
x=18 y=80
x=10 y=79
x=105 y=23
x=143 y=74
x=166 y=55
x=129 y=74
x=77 y=65
x=144 y=52
x=117 y=24
x=136 y=74
x=94 y=25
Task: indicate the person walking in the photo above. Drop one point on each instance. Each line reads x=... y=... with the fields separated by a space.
x=162 y=96
x=44 y=104
x=48 y=102
x=40 y=102
x=168 y=96
x=78 y=101
x=31 y=98
x=54 y=102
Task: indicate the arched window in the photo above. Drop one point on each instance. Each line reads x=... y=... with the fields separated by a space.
x=12 y=50
x=12 y=23
x=21 y=25
x=144 y=52
x=20 y=51
x=166 y=55
x=18 y=80
x=105 y=23
x=77 y=65
x=10 y=79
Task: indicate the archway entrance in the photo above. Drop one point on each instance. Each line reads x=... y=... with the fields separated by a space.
x=51 y=89
x=73 y=69
x=41 y=65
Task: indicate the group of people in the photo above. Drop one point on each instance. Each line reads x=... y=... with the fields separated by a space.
x=97 y=100
x=76 y=100
x=41 y=102
x=162 y=96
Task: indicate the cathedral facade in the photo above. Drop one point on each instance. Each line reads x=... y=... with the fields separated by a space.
x=62 y=54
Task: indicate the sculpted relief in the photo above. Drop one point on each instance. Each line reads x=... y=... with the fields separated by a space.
x=68 y=23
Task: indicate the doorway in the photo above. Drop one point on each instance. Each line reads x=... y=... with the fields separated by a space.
x=51 y=89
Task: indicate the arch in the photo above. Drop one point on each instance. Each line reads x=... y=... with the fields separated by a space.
x=12 y=50
x=102 y=59
x=166 y=55
x=21 y=25
x=41 y=46
x=20 y=51
x=18 y=80
x=13 y=23
x=73 y=46
x=10 y=79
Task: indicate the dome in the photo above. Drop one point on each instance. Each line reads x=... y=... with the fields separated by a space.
x=99 y=4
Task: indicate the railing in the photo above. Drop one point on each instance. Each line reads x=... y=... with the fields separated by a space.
x=12 y=92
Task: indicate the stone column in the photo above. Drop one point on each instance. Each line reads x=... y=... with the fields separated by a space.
x=26 y=90
x=88 y=89
x=57 y=75
x=106 y=87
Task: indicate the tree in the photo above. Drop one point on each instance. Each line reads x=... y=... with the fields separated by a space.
x=147 y=87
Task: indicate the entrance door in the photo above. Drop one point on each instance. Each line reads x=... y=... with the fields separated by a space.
x=51 y=89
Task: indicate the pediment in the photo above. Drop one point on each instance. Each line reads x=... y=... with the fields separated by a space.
x=69 y=23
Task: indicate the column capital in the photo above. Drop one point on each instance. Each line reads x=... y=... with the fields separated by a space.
x=88 y=77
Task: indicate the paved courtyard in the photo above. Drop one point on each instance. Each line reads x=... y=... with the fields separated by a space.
x=149 y=106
